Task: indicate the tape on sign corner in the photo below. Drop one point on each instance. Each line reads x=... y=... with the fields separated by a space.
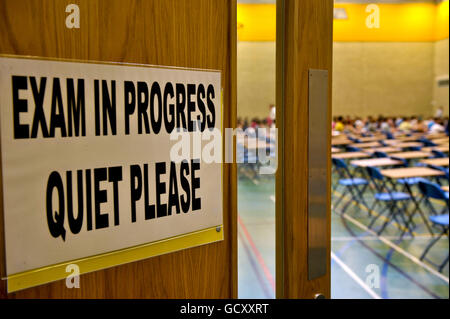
x=86 y=265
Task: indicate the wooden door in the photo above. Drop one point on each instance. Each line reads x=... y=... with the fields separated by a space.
x=304 y=42
x=184 y=33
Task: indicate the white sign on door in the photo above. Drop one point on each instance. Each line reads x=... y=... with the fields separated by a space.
x=85 y=151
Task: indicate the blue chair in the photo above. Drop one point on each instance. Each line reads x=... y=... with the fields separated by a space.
x=433 y=190
x=389 y=135
x=350 y=183
x=443 y=169
x=438 y=154
x=407 y=184
x=404 y=161
x=379 y=154
x=353 y=149
x=407 y=181
x=394 y=202
x=442 y=222
x=426 y=142
x=420 y=164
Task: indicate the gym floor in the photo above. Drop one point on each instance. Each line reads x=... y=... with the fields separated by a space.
x=364 y=265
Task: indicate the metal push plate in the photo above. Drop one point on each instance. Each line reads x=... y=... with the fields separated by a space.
x=317 y=168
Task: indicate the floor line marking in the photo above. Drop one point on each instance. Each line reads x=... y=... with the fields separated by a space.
x=253 y=264
x=378 y=215
x=354 y=276
x=385 y=260
x=397 y=248
x=258 y=255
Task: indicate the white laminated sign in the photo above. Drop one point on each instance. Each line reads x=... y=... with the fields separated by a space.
x=86 y=158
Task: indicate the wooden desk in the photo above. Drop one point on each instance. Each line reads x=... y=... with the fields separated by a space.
x=435 y=135
x=445 y=188
x=391 y=142
x=365 y=145
x=441 y=148
x=349 y=155
x=335 y=133
x=402 y=134
x=411 y=155
x=386 y=149
x=436 y=161
x=340 y=142
x=371 y=139
x=335 y=150
x=409 y=172
x=408 y=144
x=440 y=141
x=407 y=138
x=375 y=162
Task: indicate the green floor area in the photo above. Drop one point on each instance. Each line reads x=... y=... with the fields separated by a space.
x=364 y=265
x=256 y=241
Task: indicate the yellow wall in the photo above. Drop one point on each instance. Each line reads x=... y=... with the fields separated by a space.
x=390 y=70
x=403 y=22
x=256 y=22
x=441 y=23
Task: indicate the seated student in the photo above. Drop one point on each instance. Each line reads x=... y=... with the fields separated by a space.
x=348 y=128
x=340 y=124
x=386 y=125
x=420 y=126
x=371 y=124
x=358 y=122
x=413 y=121
x=240 y=123
x=255 y=123
x=264 y=123
x=405 y=125
x=252 y=129
x=392 y=124
x=359 y=126
x=437 y=126
x=245 y=124
x=398 y=121
x=429 y=123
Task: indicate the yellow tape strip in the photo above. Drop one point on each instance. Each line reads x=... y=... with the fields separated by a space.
x=89 y=264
